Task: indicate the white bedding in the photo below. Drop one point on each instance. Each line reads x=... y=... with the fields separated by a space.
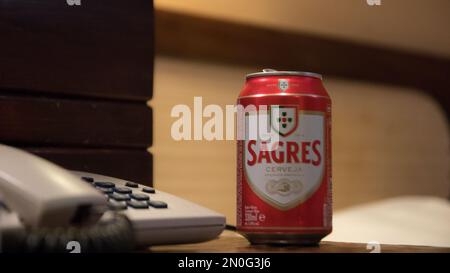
x=409 y=220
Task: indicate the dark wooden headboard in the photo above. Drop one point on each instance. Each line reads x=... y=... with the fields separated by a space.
x=74 y=81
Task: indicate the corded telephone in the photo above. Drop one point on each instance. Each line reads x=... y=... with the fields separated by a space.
x=44 y=207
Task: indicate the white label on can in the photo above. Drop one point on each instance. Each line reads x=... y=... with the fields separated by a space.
x=286 y=172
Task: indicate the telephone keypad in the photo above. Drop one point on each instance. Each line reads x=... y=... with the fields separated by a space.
x=120 y=198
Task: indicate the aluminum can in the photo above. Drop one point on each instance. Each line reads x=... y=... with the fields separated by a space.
x=284 y=173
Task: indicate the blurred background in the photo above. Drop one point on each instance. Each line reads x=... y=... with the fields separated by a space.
x=390 y=143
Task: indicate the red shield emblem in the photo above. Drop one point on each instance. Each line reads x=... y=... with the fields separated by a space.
x=284 y=119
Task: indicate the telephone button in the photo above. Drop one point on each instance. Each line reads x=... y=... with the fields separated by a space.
x=119 y=197
x=137 y=204
x=131 y=184
x=115 y=205
x=104 y=184
x=123 y=190
x=158 y=204
x=105 y=190
x=148 y=190
x=140 y=196
x=88 y=179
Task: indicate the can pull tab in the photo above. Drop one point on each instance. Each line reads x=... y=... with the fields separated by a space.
x=266 y=70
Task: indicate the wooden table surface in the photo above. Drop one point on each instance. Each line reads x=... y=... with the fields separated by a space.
x=230 y=241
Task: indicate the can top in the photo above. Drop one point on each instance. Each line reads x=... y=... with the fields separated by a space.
x=273 y=72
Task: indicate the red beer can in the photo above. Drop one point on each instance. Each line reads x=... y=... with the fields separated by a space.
x=284 y=180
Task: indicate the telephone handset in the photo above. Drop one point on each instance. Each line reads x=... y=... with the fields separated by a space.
x=47 y=197
x=44 y=207
x=43 y=193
